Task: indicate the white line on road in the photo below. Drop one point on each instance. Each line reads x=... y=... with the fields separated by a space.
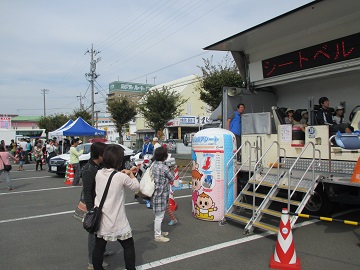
x=36 y=190
x=61 y=213
x=35 y=177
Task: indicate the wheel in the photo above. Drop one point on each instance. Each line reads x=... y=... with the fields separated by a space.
x=319 y=204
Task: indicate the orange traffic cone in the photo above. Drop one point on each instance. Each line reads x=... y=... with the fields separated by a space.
x=69 y=175
x=285 y=256
x=356 y=174
x=172 y=204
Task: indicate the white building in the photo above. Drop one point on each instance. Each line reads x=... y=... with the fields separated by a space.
x=193 y=110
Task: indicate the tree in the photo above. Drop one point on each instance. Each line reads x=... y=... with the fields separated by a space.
x=84 y=114
x=53 y=122
x=214 y=77
x=122 y=110
x=160 y=106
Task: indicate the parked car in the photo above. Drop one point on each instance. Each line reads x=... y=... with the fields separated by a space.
x=58 y=163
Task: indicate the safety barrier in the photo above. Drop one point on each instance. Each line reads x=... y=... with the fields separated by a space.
x=328 y=219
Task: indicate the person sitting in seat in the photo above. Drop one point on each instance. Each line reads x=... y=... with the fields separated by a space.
x=304 y=118
x=289 y=119
x=325 y=117
x=339 y=115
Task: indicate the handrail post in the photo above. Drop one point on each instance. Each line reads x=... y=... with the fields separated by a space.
x=330 y=139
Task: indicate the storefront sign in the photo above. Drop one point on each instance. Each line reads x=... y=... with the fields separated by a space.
x=331 y=52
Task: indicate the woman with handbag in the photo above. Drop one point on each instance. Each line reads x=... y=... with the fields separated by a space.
x=162 y=176
x=114 y=225
x=88 y=195
x=5 y=165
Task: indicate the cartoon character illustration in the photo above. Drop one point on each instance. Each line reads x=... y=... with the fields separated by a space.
x=204 y=206
x=196 y=186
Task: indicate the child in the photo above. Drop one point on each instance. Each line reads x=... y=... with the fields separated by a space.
x=289 y=119
x=38 y=156
x=339 y=115
x=21 y=157
x=305 y=118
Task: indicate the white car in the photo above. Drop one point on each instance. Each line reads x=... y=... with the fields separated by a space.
x=58 y=163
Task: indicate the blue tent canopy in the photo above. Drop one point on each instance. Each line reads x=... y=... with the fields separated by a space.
x=58 y=132
x=80 y=128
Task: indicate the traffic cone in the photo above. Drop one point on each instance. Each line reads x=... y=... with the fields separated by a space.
x=172 y=204
x=176 y=178
x=356 y=174
x=70 y=175
x=285 y=256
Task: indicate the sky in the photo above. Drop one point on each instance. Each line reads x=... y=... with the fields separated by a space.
x=44 y=44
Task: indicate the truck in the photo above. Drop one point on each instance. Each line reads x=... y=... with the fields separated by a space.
x=291 y=61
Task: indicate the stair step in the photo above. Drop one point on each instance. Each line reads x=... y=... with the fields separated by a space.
x=244 y=205
x=250 y=193
x=237 y=218
x=271 y=212
x=265 y=227
x=282 y=200
x=269 y=184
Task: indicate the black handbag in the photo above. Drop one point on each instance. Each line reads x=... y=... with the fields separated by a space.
x=92 y=217
x=7 y=168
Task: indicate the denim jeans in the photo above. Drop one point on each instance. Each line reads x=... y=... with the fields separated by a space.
x=91 y=245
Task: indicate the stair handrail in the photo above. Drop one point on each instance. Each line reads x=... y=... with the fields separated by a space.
x=258 y=163
x=235 y=174
x=312 y=164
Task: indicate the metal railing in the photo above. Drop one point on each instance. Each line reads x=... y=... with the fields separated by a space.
x=229 y=182
x=259 y=163
x=312 y=164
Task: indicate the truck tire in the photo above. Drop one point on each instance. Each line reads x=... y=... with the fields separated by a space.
x=319 y=204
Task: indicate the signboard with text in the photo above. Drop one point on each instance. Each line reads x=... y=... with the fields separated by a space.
x=326 y=53
x=5 y=122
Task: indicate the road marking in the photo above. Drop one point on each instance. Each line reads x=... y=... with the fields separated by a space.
x=206 y=250
x=61 y=213
x=36 y=190
x=35 y=177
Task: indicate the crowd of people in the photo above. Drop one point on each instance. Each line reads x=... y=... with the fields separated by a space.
x=26 y=151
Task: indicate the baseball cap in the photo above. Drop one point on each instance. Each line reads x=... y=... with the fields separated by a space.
x=303 y=112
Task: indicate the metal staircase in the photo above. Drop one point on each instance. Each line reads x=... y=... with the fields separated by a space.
x=260 y=202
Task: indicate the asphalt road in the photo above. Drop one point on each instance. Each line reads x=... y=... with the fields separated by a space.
x=38 y=232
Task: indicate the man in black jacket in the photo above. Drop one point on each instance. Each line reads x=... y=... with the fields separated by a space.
x=88 y=176
x=324 y=117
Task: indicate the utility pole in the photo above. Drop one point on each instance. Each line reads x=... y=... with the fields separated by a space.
x=81 y=105
x=44 y=92
x=92 y=76
x=97 y=118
